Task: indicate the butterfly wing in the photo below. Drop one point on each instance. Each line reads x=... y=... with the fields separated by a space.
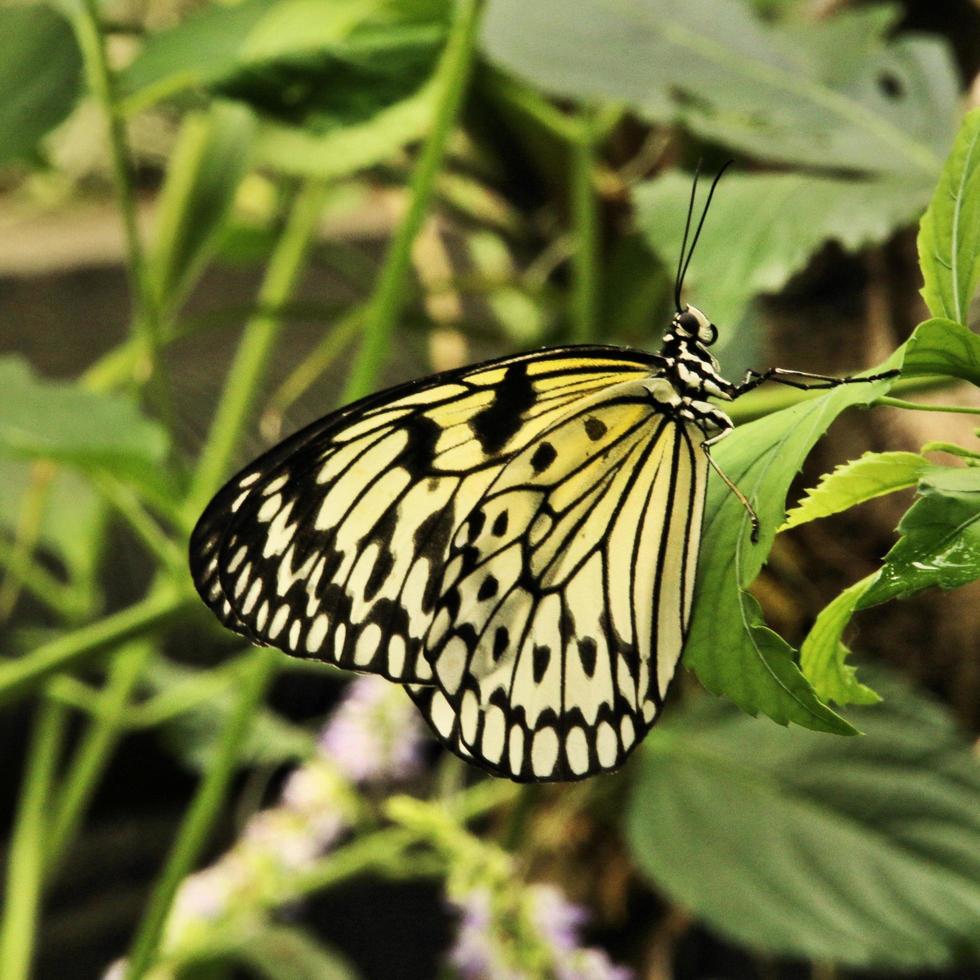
x=567 y=593
x=332 y=545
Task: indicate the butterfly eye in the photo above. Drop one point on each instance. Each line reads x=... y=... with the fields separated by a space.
x=688 y=322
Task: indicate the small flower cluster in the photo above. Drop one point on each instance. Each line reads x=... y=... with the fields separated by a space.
x=373 y=736
x=535 y=933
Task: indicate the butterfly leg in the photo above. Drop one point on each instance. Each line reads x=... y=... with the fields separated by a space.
x=730 y=483
x=785 y=377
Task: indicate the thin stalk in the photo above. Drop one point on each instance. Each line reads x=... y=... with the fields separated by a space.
x=202 y=814
x=90 y=759
x=388 y=298
x=925 y=407
x=26 y=534
x=585 y=220
x=248 y=369
x=127 y=504
x=63 y=600
x=146 y=322
x=25 y=864
x=18 y=677
x=306 y=373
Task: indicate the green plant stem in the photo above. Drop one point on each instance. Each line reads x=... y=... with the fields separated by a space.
x=25 y=864
x=585 y=219
x=90 y=759
x=926 y=407
x=146 y=315
x=61 y=599
x=249 y=367
x=76 y=648
x=127 y=504
x=202 y=813
x=388 y=298
x=306 y=373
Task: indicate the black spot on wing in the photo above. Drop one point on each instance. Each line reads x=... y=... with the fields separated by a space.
x=495 y=425
x=587 y=654
x=488 y=588
x=475 y=524
x=420 y=450
x=501 y=640
x=594 y=428
x=541 y=657
x=543 y=457
x=500 y=524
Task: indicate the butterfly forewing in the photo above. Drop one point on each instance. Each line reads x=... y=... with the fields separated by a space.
x=334 y=544
x=567 y=593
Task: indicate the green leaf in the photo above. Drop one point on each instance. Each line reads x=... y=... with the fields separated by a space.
x=802 y=97
x=206 y=166
x=56 y=420
x=729 y=647
x=73 y=524
x=336 y=86
x=40 y=77
x=949 y=236
x=765 y=227
x=864 y=852
x=940 y=542
x=943 y=347
x=873 y=475
x=823 y=653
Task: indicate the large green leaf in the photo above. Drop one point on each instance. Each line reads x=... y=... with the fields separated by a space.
x=40 y=76
x=949 y=236
x=764 y=228
x=861 y=851
x=337 y=86
x=729 y=646
x=837 y=94
x=64 y=422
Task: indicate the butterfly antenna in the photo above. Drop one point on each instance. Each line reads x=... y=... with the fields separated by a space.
x=697 y=233
x=679 y=278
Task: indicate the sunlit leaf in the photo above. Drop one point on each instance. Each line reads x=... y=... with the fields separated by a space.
x=949 y=236
x=872 y=475
x=863 y=851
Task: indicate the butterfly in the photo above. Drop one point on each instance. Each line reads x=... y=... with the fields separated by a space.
x=514 y=541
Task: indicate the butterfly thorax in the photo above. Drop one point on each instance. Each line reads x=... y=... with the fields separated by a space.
x=690 y=373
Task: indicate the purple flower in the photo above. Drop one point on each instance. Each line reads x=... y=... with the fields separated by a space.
x=473 y=954
x=375 y=733
x=557 y=920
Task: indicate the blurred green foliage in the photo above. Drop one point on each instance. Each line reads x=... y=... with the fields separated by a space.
x=538 y=153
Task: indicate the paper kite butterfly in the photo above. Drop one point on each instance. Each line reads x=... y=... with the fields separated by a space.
x=515 y=541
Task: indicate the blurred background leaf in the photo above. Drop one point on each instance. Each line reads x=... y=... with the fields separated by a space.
x=40 y=76
x=863 y=851
x=836 y=94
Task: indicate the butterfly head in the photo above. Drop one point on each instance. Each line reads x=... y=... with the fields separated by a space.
x=690 y=324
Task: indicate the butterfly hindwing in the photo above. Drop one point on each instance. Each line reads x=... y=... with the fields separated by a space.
x=567 y=593
x=333 y=544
